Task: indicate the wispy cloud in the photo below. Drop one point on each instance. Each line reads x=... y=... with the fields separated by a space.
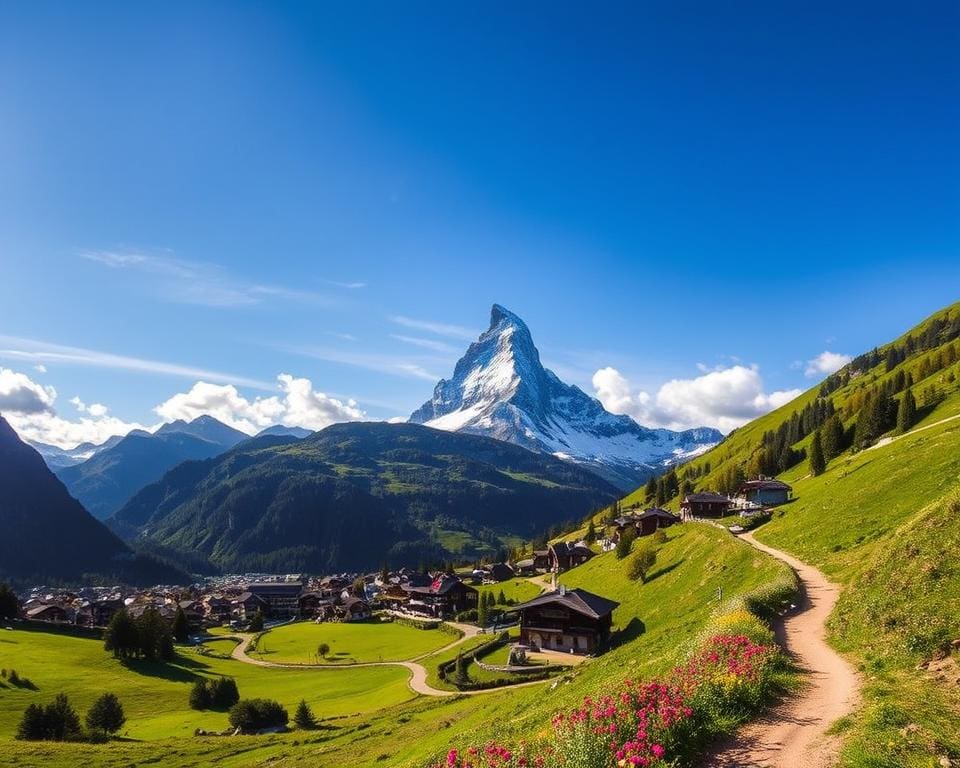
x=352 y=286
x=440 y=329
x=431 y=344
x=201 y=283
x=393 y=365
x=44 y=352
x=341 y=336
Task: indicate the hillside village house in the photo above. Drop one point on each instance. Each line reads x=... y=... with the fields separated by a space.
x=765 y=491
x=570 y=620
x=647 y=522
x=704 y=504
x=565 y=555
x=501 y=572
x=441 y=597
x=541 y=560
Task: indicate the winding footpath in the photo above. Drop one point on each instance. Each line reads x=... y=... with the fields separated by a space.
x=418 y=673
x=794 y=733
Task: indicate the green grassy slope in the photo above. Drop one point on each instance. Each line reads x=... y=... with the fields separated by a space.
x=371 y=720
x=883 y=522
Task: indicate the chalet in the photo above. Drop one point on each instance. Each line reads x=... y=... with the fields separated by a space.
x=541 y=560
x=194 y=612
x=97 y=613
x=54 y=613
x=247 y=605
x=353 y=609
x=280 y=597
x=570 y=620
x=651 y=520
x=704 y=504
x=216 y=608
x=501 y=572
x=445 y=596
x=524 y=567
x=564 y=555
x=765 y=491
x=314 y=604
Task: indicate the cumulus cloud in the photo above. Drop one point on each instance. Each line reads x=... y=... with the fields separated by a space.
x=725 y=398
x=826 y=363
x=20 y=394
x=299 y=406
x=30 y=409
x=40 y=368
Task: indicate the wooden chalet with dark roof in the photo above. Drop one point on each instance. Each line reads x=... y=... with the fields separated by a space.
x=569 y=620
x=705 y=504
x=564 y=555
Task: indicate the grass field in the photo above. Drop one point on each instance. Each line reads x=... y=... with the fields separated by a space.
x=350 y=642
x=518 y=590
x=372 y=718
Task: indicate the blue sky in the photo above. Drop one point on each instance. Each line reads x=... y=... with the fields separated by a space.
x=229 y=192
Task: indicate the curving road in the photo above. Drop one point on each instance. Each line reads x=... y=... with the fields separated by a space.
x=418 y=673
x=794 y=733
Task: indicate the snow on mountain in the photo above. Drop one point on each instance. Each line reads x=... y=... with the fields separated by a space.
x=500 y=389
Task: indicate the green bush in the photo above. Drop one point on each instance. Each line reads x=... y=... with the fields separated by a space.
x=106 y=714
x=251 y=715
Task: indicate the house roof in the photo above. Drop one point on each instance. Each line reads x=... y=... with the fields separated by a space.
x=766 y=484
x=577 y=600
x=286 y=588
x=705 y=496
x=656 y=512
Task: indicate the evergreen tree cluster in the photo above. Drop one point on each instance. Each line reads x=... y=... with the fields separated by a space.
x=219 y=693
x=251 y=715
x=147 y=637
x=59 y=721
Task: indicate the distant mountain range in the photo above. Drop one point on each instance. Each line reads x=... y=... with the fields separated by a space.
x=500 y=389
x=58 y=458
x=356 y=495
x=48 y=537
x=112 y=475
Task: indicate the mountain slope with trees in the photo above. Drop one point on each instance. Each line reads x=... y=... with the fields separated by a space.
x=49 y=537
x=356 y=495
x=109 y=478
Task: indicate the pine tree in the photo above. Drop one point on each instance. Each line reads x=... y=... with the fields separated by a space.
x=625 y=543
x=651 y=488
x=62 y=721
x=33 y=724
x=591 y=532
x=907 y=412
x=832 y=438
x=483 y=615
x=200 y=694
x=181 y=629
x=462 y=677
x=122 y=636
x=9 y=605
x=106 y=714
x=818 y=464
x=501 y=598
x=303 y=718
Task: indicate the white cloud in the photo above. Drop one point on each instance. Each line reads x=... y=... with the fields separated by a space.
x=440 y=329
x=20 y=394
x=826 y=363
x=30 y=409
x=40 y=368
x=353 y=286
x=431 y=344
x=726 y=398
x=202 y=283
x=30 y=349
x=300 y=406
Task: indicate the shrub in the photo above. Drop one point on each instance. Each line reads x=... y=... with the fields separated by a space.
x=106 y=714
x=303 y=718
x=643 y=560
x=322 y=650
x=255 y=714
x=625 y=543
x=200 y=695
x=223 y=693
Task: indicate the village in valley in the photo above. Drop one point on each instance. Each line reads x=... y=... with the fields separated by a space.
x=511 y=621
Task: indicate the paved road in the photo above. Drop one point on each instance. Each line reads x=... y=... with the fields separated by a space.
x=793 y=734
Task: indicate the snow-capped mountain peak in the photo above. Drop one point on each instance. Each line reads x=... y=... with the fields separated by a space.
x=500 y=388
